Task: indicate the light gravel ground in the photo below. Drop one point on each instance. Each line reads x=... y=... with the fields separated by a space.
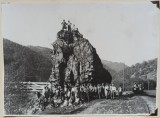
x=134 y=105
x=128 y=105
x=151 y=102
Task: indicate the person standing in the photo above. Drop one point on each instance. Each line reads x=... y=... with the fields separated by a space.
x=106 y=90
x=135 y=88
x=77 y=100
x=69 y=26
x=69 y=93
x=73 y=28
x=86 y=93
x=99 y=91
x=73 y=89
x=113 y=90
x=96 y=91
x=66 y=102
x=64 y=25
x=43 y=91
x=91 y=91
x=119 y=91
x=47 y=93
x=139 y=88
x=77 y=33
x=103 y=90
x=76 y=91
x=65 y=89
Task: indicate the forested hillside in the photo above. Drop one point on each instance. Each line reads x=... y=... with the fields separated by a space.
x=21 y=60
x=141 y=72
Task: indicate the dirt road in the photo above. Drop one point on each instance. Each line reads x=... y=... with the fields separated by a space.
x=127 y=105
x=151 y=103
x=134 y=105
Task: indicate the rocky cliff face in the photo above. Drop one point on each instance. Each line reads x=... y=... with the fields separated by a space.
x=75 y=61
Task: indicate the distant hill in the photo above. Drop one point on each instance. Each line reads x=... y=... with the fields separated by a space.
x=46 y=52
x=25 y=63
x=112 y=72
x=116 y=66
x=140 y=72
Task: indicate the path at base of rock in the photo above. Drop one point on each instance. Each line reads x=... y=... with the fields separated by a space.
x=134 y=105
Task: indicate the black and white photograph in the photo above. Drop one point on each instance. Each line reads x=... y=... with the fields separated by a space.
x=80 y=59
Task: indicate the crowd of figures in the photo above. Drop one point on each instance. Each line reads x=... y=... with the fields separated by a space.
x=138 y=88
x=74 y=95
x=69 y=28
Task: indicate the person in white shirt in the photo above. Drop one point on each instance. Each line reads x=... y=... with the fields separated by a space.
x=106 y=89
x=66 y=102
x=113 y=90
x=65 y=88
x=43 y=91
x=73 y=89
x=77 y=100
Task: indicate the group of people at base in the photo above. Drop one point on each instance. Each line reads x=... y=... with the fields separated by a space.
x=78 y=94
x=138 y=88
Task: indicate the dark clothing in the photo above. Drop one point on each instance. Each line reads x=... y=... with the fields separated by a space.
x=99 y=91
x=46 y=94
x=83 y=97
x=52 y=94
x=102 y=92
x=69 y=26
x=38 y=95
x=64 y=25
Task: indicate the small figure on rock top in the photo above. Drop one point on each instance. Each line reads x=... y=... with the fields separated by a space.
x=64 y=25
x=77 y=34
x=73 y=28
x=68 y=31
x=69 y=26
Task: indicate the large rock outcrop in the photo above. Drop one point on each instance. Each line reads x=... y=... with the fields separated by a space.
x=75 y=61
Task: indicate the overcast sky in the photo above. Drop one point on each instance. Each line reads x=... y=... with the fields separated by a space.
x=122 y=32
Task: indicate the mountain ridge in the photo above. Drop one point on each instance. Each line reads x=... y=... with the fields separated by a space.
x=9 y=55
x=18 y=57
x=116 y=66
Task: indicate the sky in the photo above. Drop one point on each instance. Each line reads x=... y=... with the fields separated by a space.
x=120 y=32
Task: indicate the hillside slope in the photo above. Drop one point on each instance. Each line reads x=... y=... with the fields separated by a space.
x=46 y=52
x=140 y=72
x=116 y=66
x=20 y=59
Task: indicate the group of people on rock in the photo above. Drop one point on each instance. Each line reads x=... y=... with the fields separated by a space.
x=74 y=95
x=68 y=26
